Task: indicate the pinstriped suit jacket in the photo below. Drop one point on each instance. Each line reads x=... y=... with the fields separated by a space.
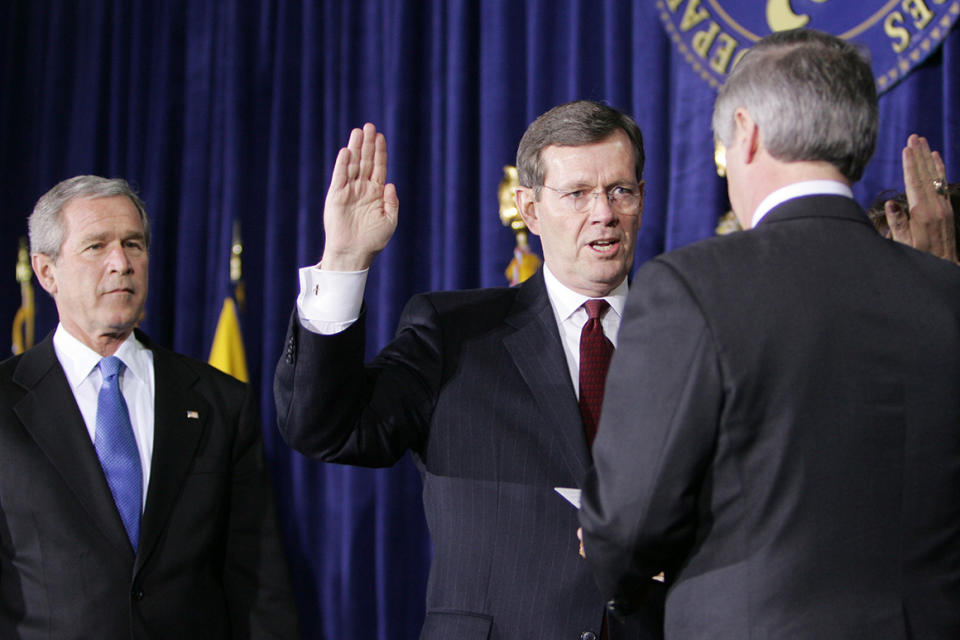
x=476 y=385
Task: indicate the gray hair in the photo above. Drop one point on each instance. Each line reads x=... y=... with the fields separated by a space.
x=47 y=229
x=812 y=96
x=572 y=125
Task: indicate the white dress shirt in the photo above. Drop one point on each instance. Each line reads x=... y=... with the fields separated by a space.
x=330 y=301
x=796 y=190
x=571 y=316
x=80 y=362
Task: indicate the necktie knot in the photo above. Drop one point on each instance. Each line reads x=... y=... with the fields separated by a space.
x=110 y=367
x=595 y=307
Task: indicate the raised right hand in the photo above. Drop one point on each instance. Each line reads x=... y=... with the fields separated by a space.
x=360 y=213
x=927 y=225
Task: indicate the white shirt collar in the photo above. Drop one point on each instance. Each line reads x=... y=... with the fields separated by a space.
x=797 y=189
x=566 y=301
x=78 y=360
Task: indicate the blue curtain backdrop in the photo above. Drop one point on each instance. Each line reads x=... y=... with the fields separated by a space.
x=235 y=110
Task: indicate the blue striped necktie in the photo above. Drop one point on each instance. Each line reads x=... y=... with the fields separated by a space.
x=117 y=448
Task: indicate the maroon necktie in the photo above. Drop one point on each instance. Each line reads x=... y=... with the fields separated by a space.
x=595 y=353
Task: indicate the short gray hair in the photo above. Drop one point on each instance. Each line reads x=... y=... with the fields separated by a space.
x=812 y=96
x=47 y=229
x=572 y=125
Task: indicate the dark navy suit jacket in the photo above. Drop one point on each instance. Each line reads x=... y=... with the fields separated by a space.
x=781 y=435
x=209 y=562
x=476 y=385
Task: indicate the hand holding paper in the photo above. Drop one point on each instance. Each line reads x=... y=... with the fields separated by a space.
x=573 y=497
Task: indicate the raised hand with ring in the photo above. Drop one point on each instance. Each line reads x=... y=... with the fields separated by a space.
x=940 y=186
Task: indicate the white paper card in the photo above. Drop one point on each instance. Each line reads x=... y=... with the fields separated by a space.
x=570 y=495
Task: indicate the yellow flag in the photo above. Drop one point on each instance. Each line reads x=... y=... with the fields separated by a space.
x=227 y=353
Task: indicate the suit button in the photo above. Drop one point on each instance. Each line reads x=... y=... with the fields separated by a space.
x=613 y=608
x=588 y=635
x=137 y=595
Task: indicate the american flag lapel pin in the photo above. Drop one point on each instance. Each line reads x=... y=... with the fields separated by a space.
x=192 y=415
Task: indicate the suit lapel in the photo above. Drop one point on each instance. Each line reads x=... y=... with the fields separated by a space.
x=180 y=417
x=538 y=354
x=50 y=414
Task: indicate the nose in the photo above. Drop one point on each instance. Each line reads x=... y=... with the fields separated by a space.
x=601 y=212
x=118 y=260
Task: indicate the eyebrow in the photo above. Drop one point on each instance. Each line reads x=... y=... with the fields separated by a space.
x=573 y=186
x=101 y=237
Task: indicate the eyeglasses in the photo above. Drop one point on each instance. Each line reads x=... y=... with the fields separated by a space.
x=624 y=200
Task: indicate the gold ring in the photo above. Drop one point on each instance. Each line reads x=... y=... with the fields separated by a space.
x=940 y=186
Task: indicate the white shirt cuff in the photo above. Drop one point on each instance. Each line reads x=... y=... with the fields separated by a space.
x=330 y=301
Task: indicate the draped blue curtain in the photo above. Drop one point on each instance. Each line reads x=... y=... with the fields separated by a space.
x=221 y=111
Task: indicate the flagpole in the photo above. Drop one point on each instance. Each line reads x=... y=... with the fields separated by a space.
x=23 y=321
x=227 y=352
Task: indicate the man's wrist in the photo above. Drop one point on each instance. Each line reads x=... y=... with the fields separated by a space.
x=345 y=261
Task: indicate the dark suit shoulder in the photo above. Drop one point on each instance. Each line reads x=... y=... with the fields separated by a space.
x=458 y=313
x=10 y=392
x=796 y=234
x=189 y=368
x=468 y=301
x=8 y=366
x=28 y=368
x=207 y=371
x=809 y=241
x=485 y=305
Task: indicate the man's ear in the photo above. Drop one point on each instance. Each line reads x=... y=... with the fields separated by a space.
x=527 y=206
x=747 y=134
x=45 y=270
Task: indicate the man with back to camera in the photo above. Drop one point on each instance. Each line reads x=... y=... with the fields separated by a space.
x=482 y=386
x=134 y=500
x=780 y=427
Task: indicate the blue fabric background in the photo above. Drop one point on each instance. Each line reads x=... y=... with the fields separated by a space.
x=222 y=110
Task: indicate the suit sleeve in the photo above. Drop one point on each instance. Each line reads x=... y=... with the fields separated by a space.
x=256 y=579
x=333 y=407
x=657 y=433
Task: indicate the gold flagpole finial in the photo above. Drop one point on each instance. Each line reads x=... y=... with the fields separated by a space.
x=23 y=321
x=236 y=266
x=236 y=250
x=524 y=263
